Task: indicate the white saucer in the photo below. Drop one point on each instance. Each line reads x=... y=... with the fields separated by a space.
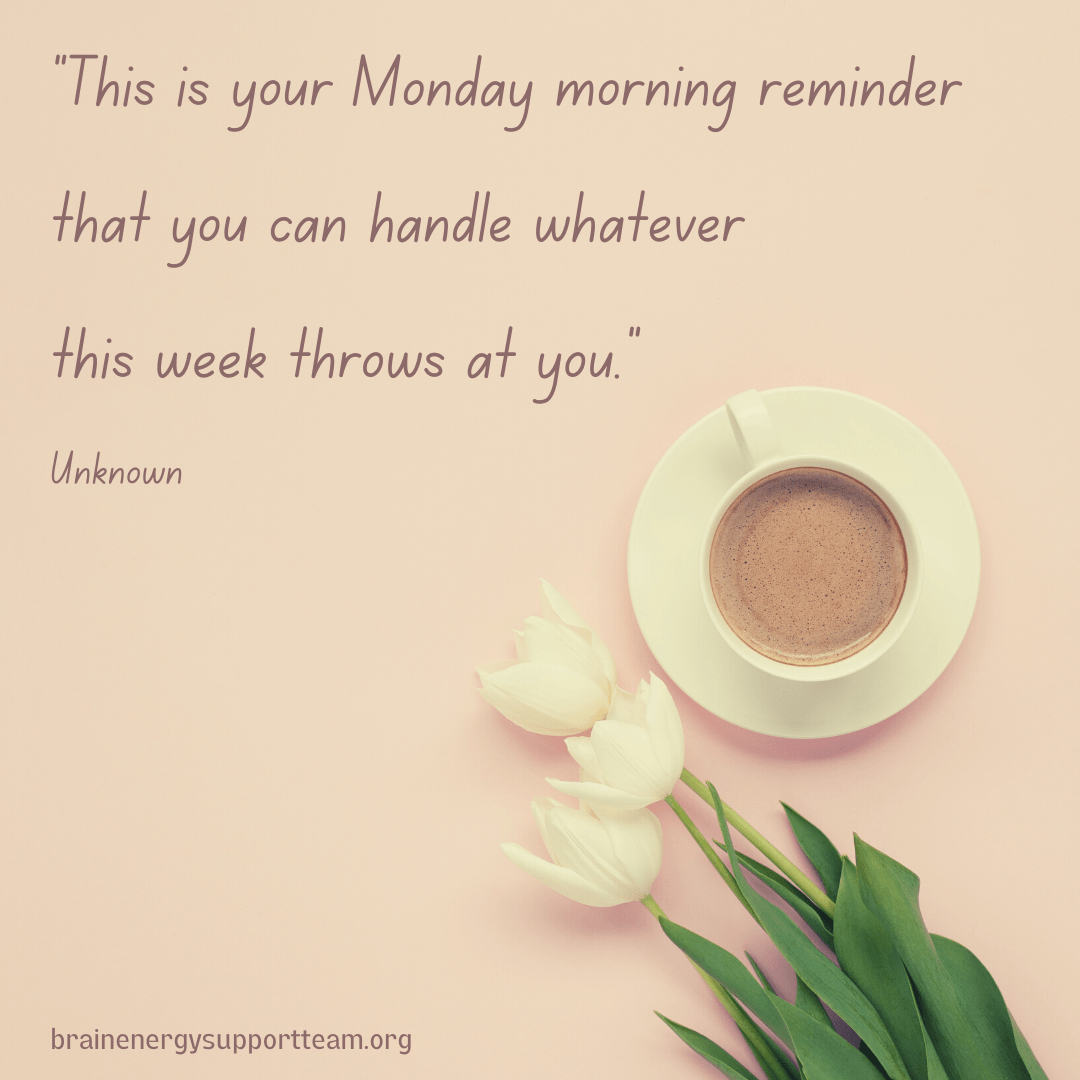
x=665 y=543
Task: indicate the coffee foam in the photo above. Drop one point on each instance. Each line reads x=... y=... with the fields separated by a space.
x=808 y=566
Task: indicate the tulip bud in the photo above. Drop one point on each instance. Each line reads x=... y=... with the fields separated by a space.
x=628 y=764
x=563 y=680
x=599 y=858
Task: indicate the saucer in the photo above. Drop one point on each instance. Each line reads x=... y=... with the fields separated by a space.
x=665 y=543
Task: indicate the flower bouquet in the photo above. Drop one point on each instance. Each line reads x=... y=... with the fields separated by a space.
x=922 y=1006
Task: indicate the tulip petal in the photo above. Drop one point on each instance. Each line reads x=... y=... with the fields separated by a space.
x=622 y=707
x=556 y=605
x=543 y=699
x=641 y=703
x=540 y=808
x=637 y=841
x=563 y=646
x=665 y=730
x=563 y=881
x=599 y=858
x=490 y=669
x=581 y=750
x=595 y=794
x=626 y=760
x=522 y=715
x=579 y=841
x=607 y=662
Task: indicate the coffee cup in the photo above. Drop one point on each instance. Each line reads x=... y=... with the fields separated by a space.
x=810 y=566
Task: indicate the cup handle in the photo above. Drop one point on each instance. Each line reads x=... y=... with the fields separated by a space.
x=754 y=431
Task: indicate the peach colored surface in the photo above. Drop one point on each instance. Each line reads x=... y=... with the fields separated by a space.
x=247 y=781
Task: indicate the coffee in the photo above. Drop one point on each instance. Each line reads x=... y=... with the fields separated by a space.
x=808 y=566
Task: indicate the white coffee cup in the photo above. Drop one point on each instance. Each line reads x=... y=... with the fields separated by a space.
x=763 y=456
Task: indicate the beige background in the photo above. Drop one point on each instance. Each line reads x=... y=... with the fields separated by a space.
x=248 y=784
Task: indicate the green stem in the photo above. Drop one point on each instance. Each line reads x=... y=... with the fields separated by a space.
x=710 y=854
x=749 y=1030
x=770 y=851
x=653 y=906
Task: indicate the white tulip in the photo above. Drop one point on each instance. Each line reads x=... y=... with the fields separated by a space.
x=600 y=859
x=563 y=680
x=628 y=764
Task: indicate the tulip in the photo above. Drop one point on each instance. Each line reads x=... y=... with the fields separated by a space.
x=563 y=680
x=600 y=859
x=628 y=764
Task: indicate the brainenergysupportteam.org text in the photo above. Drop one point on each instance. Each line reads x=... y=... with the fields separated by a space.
x=186 y=1043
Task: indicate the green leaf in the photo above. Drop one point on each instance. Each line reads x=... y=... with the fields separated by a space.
x=869 y=958
x=823 y=977
x=804 y=907
x=823 y=1054
x=774 y=1063
x=730 y=973
x=810 y=1003
x=715 y=1055
x=762 y=978
x=818 y=848
x=1033 y=1066
x=983 y=1003
x=934 y=1069
x=891 y=892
